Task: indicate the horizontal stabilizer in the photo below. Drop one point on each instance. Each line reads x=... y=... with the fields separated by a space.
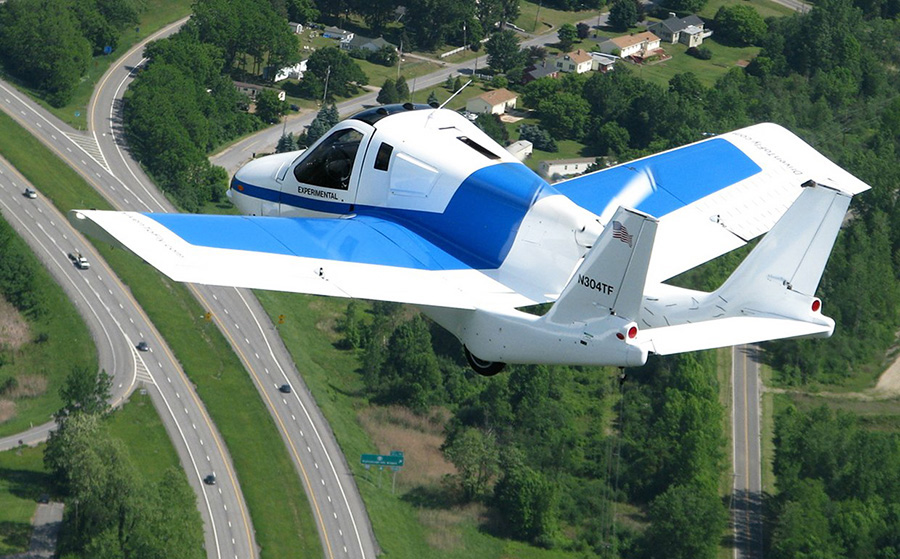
x=725 y=332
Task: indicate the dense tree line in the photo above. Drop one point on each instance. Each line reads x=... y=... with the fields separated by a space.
x=48 y=44
x=536 y=442
x=17 y=273
x=839 y=488
x=112 y=512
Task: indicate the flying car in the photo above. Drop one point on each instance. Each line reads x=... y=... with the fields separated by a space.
x=415 y=204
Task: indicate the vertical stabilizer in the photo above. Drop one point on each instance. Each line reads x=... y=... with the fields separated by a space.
x=611 y=279
x=793 y=254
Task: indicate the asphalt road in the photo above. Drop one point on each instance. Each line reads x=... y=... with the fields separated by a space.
x=340 y=514
x=201 y=450
x=746 y=507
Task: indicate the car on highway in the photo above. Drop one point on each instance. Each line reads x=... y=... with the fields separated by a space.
x=80 y=261
x=143 y=346
x=210 y=479
x=29 y=193
x=286 y=388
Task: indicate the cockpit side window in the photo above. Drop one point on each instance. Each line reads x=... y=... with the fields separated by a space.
x=330 y=163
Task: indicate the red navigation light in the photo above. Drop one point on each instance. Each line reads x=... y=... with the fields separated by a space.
x=632 y=332
x=816 y=305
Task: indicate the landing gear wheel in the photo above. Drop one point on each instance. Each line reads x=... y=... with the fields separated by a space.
x=483 y=368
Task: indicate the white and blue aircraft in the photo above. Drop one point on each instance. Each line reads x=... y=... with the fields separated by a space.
x=414 y=204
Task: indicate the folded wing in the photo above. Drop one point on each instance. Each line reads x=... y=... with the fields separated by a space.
x=712 y=196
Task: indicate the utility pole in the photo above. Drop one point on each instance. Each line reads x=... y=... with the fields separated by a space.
x=325 y=93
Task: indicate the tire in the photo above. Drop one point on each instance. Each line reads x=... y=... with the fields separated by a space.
x=483 y=368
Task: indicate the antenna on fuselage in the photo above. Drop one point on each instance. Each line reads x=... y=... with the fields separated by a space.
x=455 y=94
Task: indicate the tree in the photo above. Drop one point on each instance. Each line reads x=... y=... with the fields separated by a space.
x=493 y=127
x=567 y=36
x=286 y=143
x=385 y=55
x=476 y=457
x=739 y=24
x=51 y=62
x=564 y=115
x=503 y=50
x=433 y=99
x=687 y=522
x=624 y=14
x=583 y=30
x=269 y=108
x=302 y=11
x=342 y=73
x=528 y=502
x=538 y=137
x=388 y=93
x=402 y=90
x=84 y=391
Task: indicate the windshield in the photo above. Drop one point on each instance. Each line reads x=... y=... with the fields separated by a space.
x=330 y=163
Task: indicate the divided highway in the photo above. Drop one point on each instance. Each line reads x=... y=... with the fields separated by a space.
x=118 y=323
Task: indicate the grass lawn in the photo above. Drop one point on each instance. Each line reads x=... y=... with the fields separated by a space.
x=259 y=454
x=156 y=15
x=138 y=426
x=707 y=71
x=536 y=18
x=22 y=481
x=766 y=8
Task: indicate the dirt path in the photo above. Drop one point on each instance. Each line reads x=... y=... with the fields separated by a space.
x=889 y=381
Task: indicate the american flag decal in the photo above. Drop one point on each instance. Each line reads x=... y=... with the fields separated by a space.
x=621 y=233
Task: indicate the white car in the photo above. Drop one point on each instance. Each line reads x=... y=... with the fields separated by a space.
x=30 y=193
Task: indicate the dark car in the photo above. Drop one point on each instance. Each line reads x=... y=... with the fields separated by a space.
x=210 y=479
x=286 y=388
x=44 y=498
x=143 y=346
x=295 y=108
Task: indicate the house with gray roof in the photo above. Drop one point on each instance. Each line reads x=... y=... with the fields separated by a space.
x=360 y=42
x=687 y=30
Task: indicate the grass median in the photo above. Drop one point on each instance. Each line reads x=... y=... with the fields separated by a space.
x=281 y=515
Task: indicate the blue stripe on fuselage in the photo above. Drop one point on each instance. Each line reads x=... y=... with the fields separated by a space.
x=477 y=227
x=682 y=176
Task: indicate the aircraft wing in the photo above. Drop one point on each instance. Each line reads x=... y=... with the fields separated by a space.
x=713 y=196
x=360 y=257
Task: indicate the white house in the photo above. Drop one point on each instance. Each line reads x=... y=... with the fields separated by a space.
x=577 y=61
x=494 y=102
x=639 y=44
x=337 y=33
x=521 y=149
x=603 y=63
x=296 y=28
x=559 y=168
x=252 y=90
x=688 y=30
x=293 y=72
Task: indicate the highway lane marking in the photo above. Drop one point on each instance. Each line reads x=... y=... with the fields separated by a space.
x=315 y=430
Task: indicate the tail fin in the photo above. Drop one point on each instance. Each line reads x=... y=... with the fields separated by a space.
x=611 y=279
x=793 y=254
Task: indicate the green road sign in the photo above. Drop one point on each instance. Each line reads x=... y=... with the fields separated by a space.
x=395 y=458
